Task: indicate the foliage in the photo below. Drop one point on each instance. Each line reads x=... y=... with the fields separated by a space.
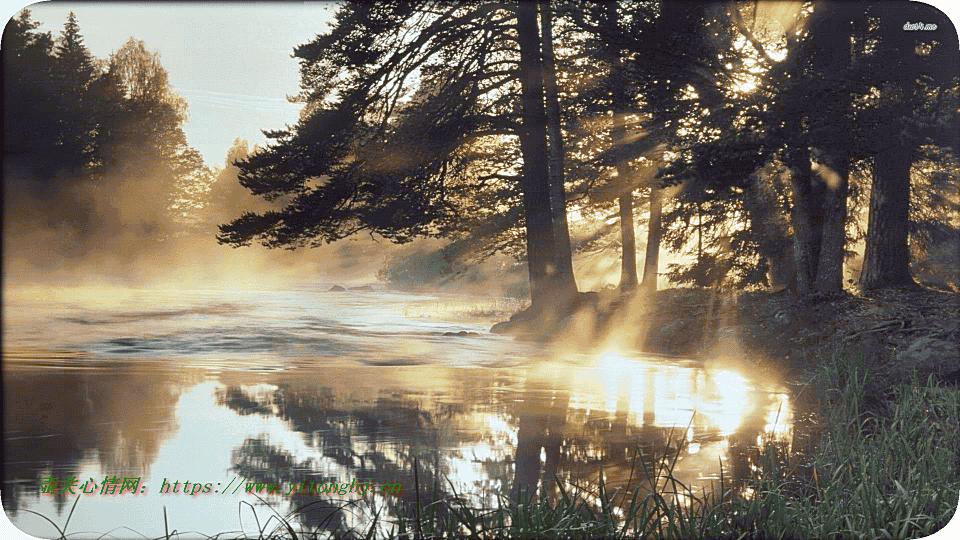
x=30 y=99
x=385 y=141
x=935 y=218
x=95 y=143
x=73 y=74
x=804 y=101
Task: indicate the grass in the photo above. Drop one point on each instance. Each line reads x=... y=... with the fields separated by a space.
x=890 y=471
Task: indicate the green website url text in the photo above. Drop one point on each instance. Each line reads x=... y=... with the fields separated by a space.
x=325 y=488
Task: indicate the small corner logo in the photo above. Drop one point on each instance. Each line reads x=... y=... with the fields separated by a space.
x=918 y=26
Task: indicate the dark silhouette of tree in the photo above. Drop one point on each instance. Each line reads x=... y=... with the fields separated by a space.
x=93 y=145
x=538 y=214
x=558 y=196
x=648 y=55
x=143 y=139
x=30 y=123
x=912 y=73
x=843 y=93
x=73 y=73
x=800 y=119
x=934 y=208
x=831 y=124
x=847 y=96
x=397 y=100
x=818 y=70
x=621 y=106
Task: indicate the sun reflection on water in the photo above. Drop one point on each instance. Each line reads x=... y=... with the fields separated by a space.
x=378 y=395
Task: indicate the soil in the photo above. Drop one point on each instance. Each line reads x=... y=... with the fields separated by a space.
x=899 y=331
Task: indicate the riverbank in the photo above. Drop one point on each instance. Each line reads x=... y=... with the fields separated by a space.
x=899 y=331
x=875 y=452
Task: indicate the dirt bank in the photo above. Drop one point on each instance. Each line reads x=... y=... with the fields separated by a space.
x=897 y=330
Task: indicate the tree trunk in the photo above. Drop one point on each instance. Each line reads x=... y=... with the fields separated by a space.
x=628 y=240
x=624 y=183
x=886 y=259
x=541 y=244
x=776 y=248
x=801 y=216
x=558 y=197
x=830 y=265
x=651 y=263
x=834 y=61
x=628 y=261
x=783 y=267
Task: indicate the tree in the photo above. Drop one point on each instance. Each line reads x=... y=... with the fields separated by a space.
x=30 y=123
x=816 y=115
x=848 y=96
x=558 y=196
x=73 y=73
x=538 y=213
x=398 y=98
x=817 y=137
x=935 y=218
x=916 y=69
x=695 y=40
x=731 y=139
x=647 y=59
x=141 y=138
x=832 y=35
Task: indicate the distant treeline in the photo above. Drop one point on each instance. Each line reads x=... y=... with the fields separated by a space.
x=75 y=123
x=95 y=156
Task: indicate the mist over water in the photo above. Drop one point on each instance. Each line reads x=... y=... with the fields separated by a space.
x=135 y=346
x=300 y=384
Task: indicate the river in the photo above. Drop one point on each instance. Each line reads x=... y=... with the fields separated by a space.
x=221 y=387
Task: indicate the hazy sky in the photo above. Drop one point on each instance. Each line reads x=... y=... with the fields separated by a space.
x=230 y=61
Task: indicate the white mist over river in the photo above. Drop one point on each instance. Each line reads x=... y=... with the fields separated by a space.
x=303 y=384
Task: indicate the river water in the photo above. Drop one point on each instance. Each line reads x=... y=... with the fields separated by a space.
x=139 y=389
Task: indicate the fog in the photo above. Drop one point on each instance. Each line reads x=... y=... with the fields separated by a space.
x=122 y=231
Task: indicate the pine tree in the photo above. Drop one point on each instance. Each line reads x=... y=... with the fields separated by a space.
x=73 y=74
x=400 y=156
x=910 y=68
x=30 y=122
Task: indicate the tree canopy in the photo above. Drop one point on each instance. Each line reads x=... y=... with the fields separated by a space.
x=96 y=145
x=426 y=119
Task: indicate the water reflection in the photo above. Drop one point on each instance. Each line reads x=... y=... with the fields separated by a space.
x=381 y=398
x=54 y=423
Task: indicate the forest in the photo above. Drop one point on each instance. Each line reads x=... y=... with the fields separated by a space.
x=761 y=187
x=772 y=145
x=806 y=146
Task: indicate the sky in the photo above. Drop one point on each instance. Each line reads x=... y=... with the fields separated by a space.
x=231 y=61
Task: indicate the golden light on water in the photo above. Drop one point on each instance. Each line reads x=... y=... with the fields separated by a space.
x=480 y=398
x=779 y=420
x=671 y=394
x=732 y=389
